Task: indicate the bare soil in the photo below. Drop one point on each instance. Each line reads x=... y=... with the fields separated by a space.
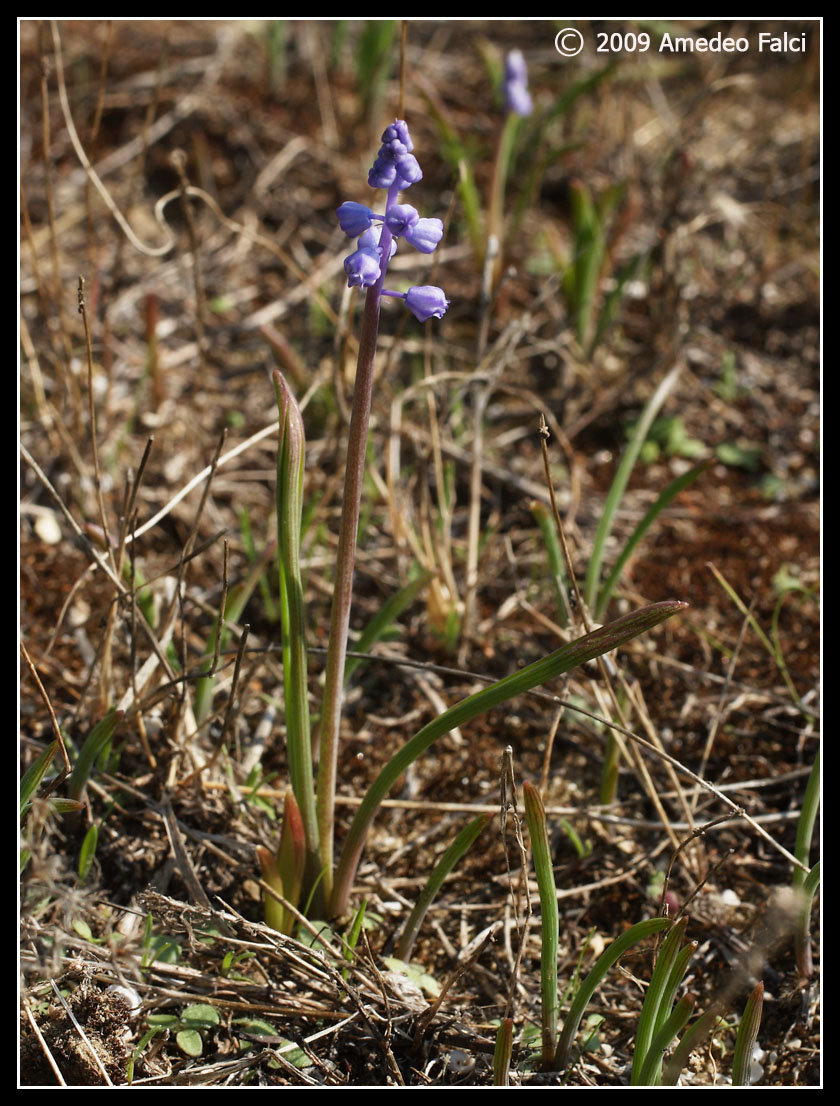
x=717 y=160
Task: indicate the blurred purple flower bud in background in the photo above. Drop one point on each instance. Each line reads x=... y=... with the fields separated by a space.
x=517 y=96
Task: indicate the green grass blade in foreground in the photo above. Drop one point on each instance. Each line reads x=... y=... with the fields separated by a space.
x=384 y=617
x=541 y=849
x=802 y=851
x=34 y=774
x=502 y=1053
x=670 y=1028
x=692 y=1041
x=96 y=741
x=551 y=542
x=639 y=932
x=236 y=602
x=746 y=1038
x=290 y=456
x=802 y=935
x=577 y=652
x=656 y=997
x=462 y=843
x=673 y=490
x=619 y=484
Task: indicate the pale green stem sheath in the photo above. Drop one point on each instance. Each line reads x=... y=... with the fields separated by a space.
x=577 y=652
x=290 y=451
x=747 y=1035
x=345 y=562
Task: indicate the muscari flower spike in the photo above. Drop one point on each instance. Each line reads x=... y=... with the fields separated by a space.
x=517 y=96
x=396 y=169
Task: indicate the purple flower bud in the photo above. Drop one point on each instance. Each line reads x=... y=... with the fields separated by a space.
x=370 y=241
x=517 y=97
x=408 y=170
x=398 y=131
x=362 y=268
x=354 y=219
x=400 y=218
x=383 y=173
x=426 y=302
x=425 y=234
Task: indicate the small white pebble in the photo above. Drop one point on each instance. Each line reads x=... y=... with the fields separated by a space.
x=131 y=996
x=461 y=1062
x=47 y=529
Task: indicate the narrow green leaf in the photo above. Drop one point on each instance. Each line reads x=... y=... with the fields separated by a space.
x=746 y=1038
x=273 y=911
x=87 y=852
x=291 y=857
x=692 y=1040
x=603 y=640
x=290 y=458
x=619 y=484
x=649 y=1019
x=32 y=777
x=672 y=1025
x=541 y=849
x=461 y=845
x=384 y=617
x=670 y=493
x=639 y=932
x=502 y=1053
x=95 y=742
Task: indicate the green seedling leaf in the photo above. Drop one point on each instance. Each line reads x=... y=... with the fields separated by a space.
x=600 y=641
x=638 y=932
x=415 y=974
x=85 y=932
x=540 y=847
x=743 y=457
x=88 y=851
x=461 y=845
x=189 y=1041
x=163 y=1021
x=162 y=948
x=293 y=1053
x=746 y=1038
x=95 y=742
x=229 y=962
x=353 y=935
x=200 y=1016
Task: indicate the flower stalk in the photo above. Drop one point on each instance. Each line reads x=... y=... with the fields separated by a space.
x=395 y=168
